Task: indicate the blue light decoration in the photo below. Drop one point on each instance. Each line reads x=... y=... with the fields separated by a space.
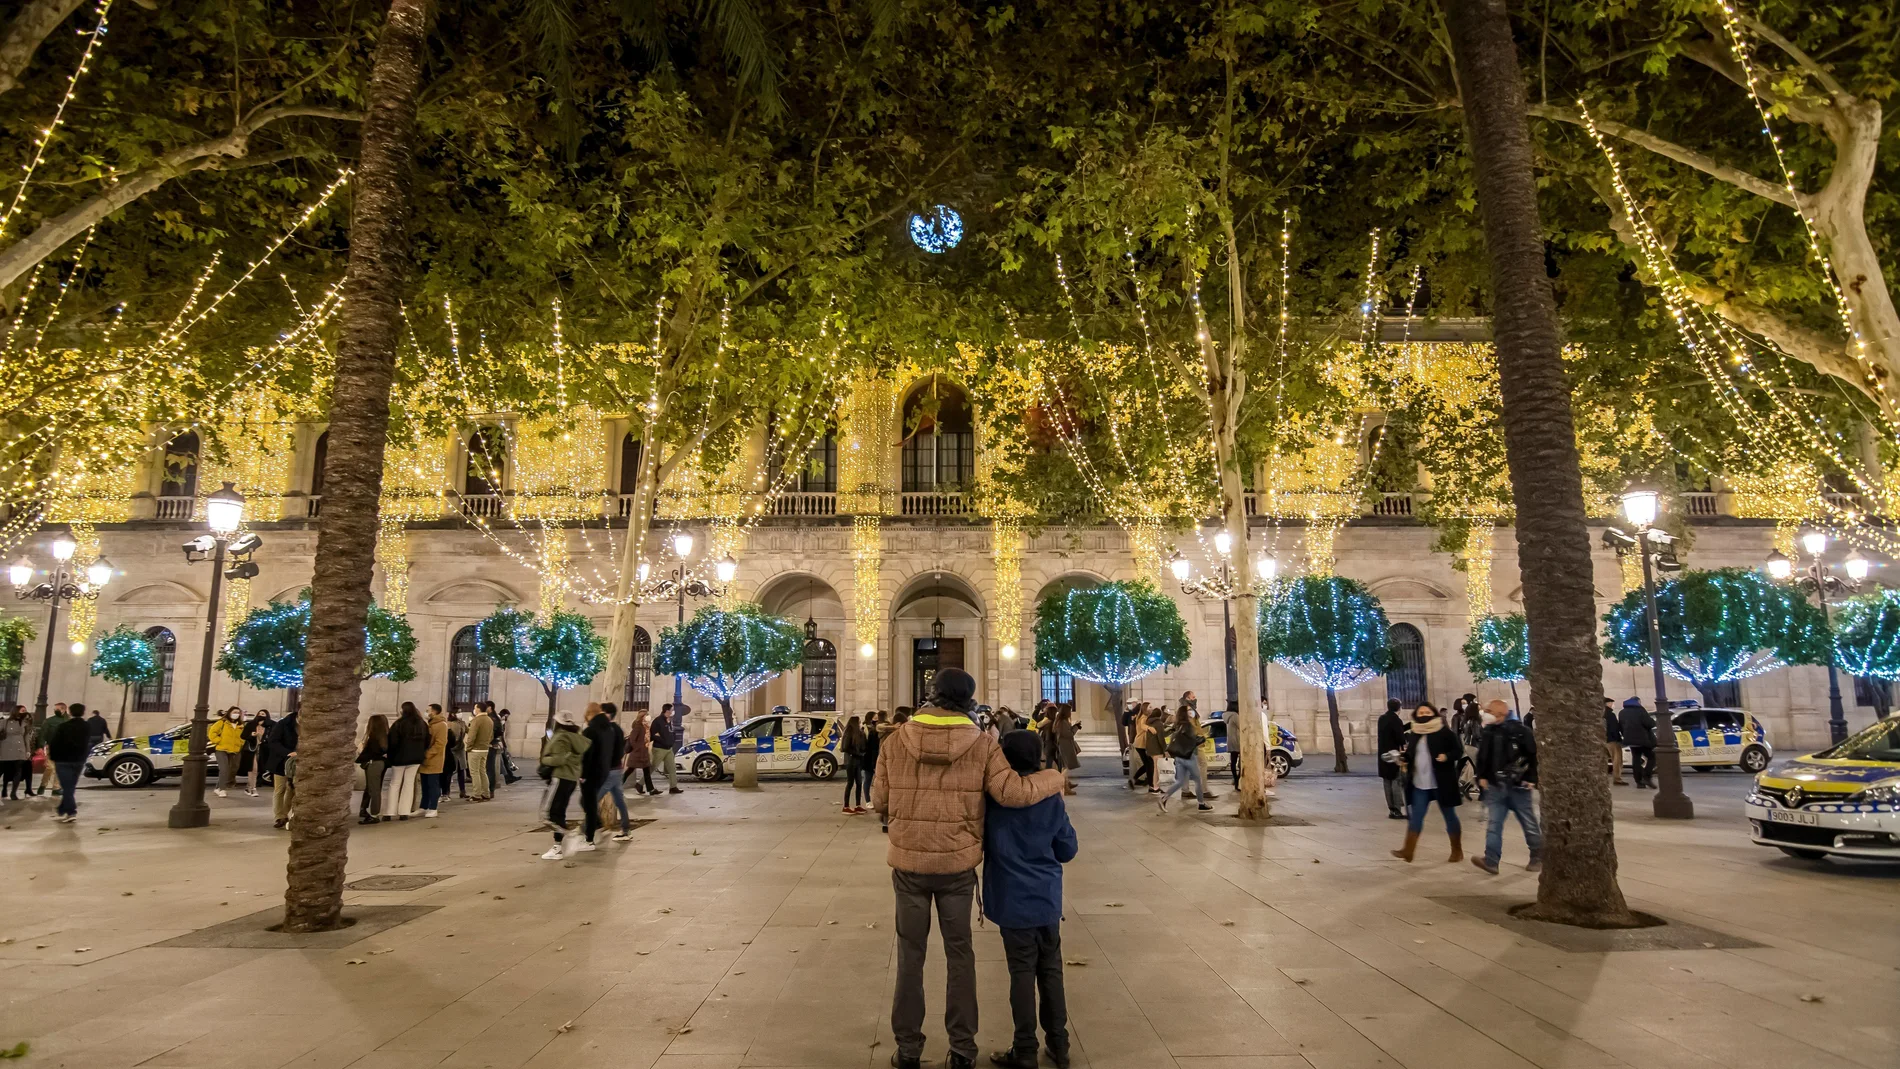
x=727 y=653
x=1328 y=630
x=1867 y=635
x=937 y=231
x=266 y=649
x=1717 y=626
x=1111 y=634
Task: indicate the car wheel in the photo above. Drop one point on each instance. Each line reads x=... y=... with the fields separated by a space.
x=1754 y=759
x=130 y=771
x=1281 y=764
x=706 y=768
x=823 y=766
x=1805 y=855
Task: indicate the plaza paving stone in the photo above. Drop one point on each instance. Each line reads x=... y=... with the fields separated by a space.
x=753 y=929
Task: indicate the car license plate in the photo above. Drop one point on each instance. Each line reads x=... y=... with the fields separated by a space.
x=1792 y=816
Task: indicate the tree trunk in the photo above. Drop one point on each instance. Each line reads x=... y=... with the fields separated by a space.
x=552 y=692
x=1339 y=737
x=28 y=30
x=1578 y=884
x=125 y=700
x=1121 y=730
x=369 y=326
x=632 y=551
x=725 y=706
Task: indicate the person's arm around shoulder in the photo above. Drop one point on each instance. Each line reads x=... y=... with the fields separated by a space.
x=1010 y=787
x=1065 y=844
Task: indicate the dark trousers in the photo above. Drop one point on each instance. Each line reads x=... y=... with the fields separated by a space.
x=494 y=769
x=14 y=773
x=1642 y=764
x=953 y=894
x=853 y=782
x=590 y=807
x=1035 y=966
x=68 y=772
x=431 y=791
x=557 y=807
x=1395 y=798
x=1146 y=773
x=372 y=790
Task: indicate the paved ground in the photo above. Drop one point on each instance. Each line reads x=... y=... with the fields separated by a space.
x=753 y=929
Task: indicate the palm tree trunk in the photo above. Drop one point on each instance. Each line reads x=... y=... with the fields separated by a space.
x=370 y=324
x=1578 y=884
x=1339 y=737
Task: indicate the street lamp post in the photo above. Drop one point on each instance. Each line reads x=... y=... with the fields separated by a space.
x=224 y=511
x=1640 y=505
x=1221 y=588
x=63 y=583
x=1817 y=572
x=678 y=587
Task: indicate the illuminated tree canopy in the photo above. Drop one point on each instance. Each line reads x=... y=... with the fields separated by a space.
x=1719 y=625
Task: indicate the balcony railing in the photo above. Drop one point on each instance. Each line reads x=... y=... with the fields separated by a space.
x=1389 y=503
x=313 y=505
x=486 y=506
x=804 y=504
x=1848 y=502
x=1698 y=503
x=932 y=503
x=172 y=507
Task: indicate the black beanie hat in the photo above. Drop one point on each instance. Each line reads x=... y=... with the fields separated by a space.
x=955 y=690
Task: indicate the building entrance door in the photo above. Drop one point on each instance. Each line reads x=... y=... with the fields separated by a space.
x=928 y=657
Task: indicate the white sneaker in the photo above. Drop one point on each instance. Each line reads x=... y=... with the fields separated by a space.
x=553 y=854
x=1162 y=804
x=251 y=791
x=220 y=792
x=582 y=846
x=430 y=813
x=625 y=836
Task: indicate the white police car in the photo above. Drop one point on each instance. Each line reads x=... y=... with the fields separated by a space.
x=788 y=742
x=141 y=759
x=1841 y=802
x=1718 y=738
x=1283 y=753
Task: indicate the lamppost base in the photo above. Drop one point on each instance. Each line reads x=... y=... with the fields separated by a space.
x=1677 y=806
x=189 y=816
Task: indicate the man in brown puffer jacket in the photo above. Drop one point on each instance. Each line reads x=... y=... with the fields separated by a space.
x=932 y=775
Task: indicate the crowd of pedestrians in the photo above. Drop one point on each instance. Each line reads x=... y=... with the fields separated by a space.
x=598 y=759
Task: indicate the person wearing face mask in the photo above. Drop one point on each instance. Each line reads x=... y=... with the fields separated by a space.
x=227 y=741
x=1429 y=762
x=1507 y=773
x=1391 y=748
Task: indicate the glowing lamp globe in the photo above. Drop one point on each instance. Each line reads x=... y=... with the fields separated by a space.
x=727 y=569
x=938 y=230
x=79 y=648
x=682 y=544
x=645 y=570
x=1815 y=542
x=1179 y=566
x=1779 y=566
x=20 y=572
x=64 y=548
x=1223 y=542
x=1266 y=566
x=99 y=572
x=1008 y=651
x=224 y=510
x=1857 y=566
x=868 y=650
x=1640 y=505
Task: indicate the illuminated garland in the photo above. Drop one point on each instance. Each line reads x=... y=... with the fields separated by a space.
x=1867 y=635
x=1717 y=626
x=1477 y=560
x=866 y=435
x=867 y=564
x=726 y=653
x=1006 y=551
x=84 y=612
x=1111 y=634
x=1330 y=631
x=266 y=649
x=45 y=135
x=1498 y=647
x=392 y=555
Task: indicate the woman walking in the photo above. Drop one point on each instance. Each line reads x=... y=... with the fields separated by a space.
x=873 y=742
x=1429 y=762
x=373 y=758
x=1154 y=748
x=853 y=749
x=259 y=736
x=562 y=753
x=639 y=755
x=408 y=745
x=1068 y=752
x=226 y=739
x=1184 y=745
x=16 y=752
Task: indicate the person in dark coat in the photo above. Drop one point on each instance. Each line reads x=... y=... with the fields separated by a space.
x=1430 y=759
x=1023 y=854
x=402 y=772
x=66 y=750
x=1639 y=734
x=1613 y=742
x=97 y=729
x=1391 y=747
x=1507 y=774
x=280 y=747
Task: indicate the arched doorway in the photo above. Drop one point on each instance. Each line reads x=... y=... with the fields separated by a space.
x=155 y=694
x=817 y=685
x=937 y=624
x=1406 y=679
x=639 y=692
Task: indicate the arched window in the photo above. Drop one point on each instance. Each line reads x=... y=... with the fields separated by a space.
x=819 y=691
x=319 y=454
x=639 y=693
x=181 y=466
x=630 y=464
x=1406 y=679
x=468 y=671
x=939 y=439
x=486 y=459
x=155 y=694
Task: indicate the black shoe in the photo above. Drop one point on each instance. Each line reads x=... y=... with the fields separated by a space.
x=899 y=1061
x=958 y=1061
x=1061 y=1058
x=1014 y=1059
x=367 y=819
x=1204 y=807
x=675 y=790
x=1395 y=815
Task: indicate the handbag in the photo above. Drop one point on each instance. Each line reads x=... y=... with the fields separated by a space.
x=39 y=760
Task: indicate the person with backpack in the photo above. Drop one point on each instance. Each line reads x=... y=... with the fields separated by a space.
x=1184 y=745
x=1507 y=774
x=563 y=755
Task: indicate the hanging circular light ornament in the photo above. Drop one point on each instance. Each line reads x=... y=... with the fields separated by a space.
x=938 y=230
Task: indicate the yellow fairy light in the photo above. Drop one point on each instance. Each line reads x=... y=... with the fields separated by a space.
x=1006 y=551
x=867 y=559
x=45 y=135
x=392 y=556
x=1477 y=560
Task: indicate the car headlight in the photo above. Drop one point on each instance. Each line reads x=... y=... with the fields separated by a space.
x=1885 y=791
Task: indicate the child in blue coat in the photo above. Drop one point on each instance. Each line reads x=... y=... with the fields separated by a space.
x=1023 y=854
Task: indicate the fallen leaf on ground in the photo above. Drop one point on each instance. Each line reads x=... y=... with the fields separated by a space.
x=125 y=894
x=1111 y=903
x=564 y=1029
x=82 y=950
x=356 y=961
x=1227 y=924
x=666 y=909
x=586 y=923
x=18 y=1050
x=1812 y=998
x=384 y=950
x=1075 y=961
x=831 y=922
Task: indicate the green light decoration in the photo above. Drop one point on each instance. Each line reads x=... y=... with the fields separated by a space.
x=1717 y=626
x=266 y=649
x=126 y=658
x=561 y=652
x=1331 y=632
x=1499 y=647
x=1111 y=634
x=726 y=653
x=15 y=633
x=1867 y=642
